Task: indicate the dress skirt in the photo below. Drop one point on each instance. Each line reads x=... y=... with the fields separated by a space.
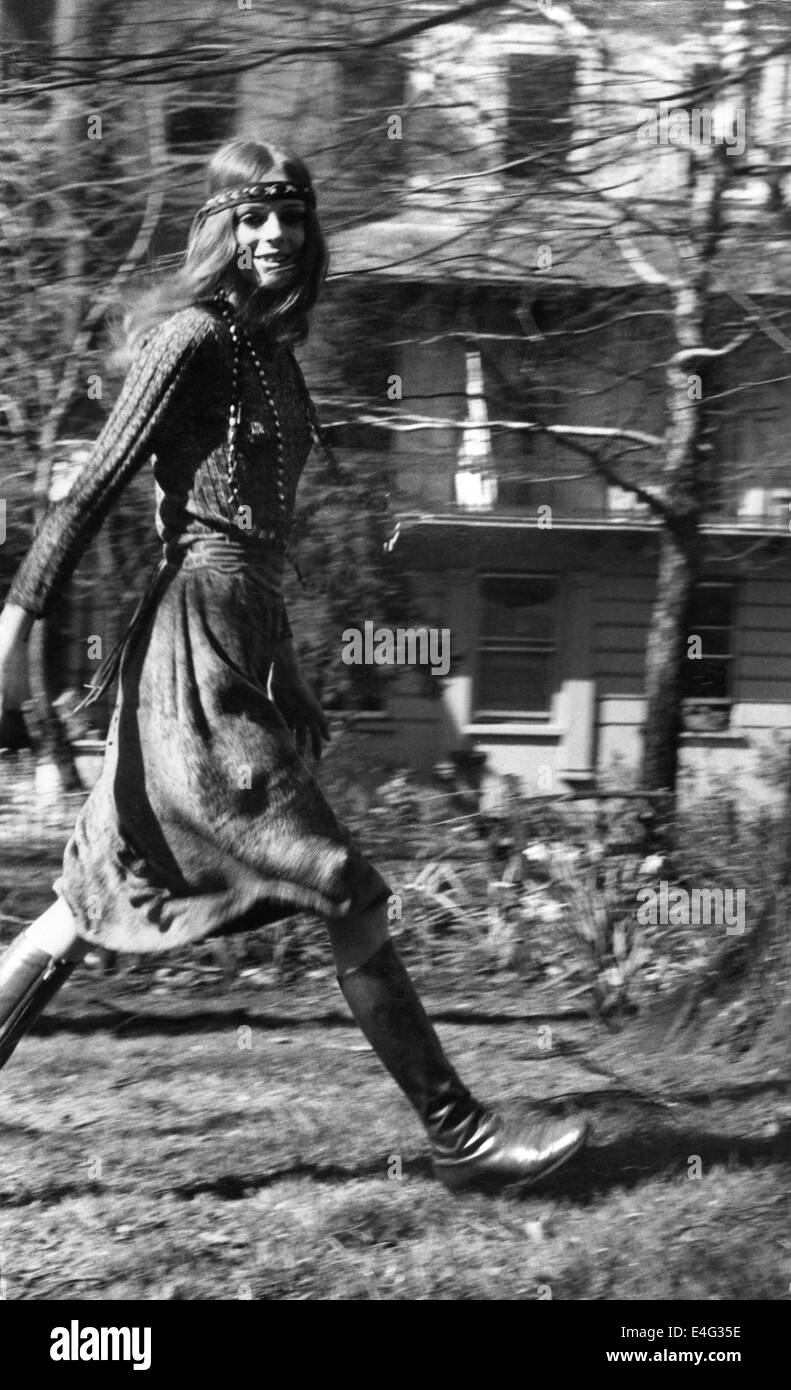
x=205 y=819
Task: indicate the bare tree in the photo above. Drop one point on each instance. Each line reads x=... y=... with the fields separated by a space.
x=591 y=181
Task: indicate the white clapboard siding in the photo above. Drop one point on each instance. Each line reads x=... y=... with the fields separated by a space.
x=762 y=642
x=620 y=685
x=614 y=711
x=766 y=619
x=629 y=588
x=758 y=668
x=766 y=593
x=753 y=716
x=762 y=665
x=623 y=612
x=623 y=638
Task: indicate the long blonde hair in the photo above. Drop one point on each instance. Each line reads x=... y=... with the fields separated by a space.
x=210 y=261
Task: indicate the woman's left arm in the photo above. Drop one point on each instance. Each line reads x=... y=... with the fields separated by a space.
x=159 y=371
x=295 y=700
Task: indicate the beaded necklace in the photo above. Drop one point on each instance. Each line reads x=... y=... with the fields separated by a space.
x=239 y=334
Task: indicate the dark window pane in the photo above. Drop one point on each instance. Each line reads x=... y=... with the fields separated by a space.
x=374 y=89
x=715 y=641
x=517 y=492
x=540 y=89
x=706 y=679
x=514 y=682
x=374 y=80
x=194 y=128
x=518 y=609
x=712 y=606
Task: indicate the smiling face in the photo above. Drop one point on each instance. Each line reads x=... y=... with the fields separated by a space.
x=270 y=236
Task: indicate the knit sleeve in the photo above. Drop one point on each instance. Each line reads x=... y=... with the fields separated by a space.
x=158 y=371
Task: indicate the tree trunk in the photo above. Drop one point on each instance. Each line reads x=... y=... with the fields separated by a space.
x=56 y=769
x=679 y=552
x=665 y=657
x=710 y=173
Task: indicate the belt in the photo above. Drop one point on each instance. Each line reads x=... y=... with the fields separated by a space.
x=214 y=550
x=217 y=550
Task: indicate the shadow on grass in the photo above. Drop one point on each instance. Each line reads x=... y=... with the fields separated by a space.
x=50 y=1194
x=623 y=1164
x=708 y=1095
x=119 y=1020
x=598 y=1169
x=634 y=1158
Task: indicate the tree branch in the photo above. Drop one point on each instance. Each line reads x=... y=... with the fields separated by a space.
x=685 y=355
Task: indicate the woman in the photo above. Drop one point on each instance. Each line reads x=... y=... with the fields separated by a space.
x=206 y=818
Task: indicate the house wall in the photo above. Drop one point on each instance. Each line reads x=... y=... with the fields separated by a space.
x=749 y=752
x=612 y=373
x=593 y=730
x=625 y=64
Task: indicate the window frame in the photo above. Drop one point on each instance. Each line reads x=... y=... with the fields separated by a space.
x=714 y=703
x=481 y=714
x=516 y=138
x=208 y=100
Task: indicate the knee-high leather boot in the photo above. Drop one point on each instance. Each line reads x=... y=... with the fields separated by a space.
x=29 y=977
x=471 y=1146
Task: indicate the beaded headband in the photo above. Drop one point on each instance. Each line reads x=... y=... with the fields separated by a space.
x=252 y=193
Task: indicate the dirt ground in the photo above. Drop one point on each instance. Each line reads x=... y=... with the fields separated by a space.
x=185 y=1136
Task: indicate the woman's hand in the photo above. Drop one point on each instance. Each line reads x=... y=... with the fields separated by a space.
x=15 y=626
x=296 y=702
x=14 y=629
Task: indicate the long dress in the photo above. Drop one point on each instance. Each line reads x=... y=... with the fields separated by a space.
x=204 y=819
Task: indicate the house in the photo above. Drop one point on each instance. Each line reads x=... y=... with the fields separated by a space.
x=505 y=293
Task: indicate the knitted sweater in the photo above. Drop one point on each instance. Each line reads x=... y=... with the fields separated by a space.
x=173 y=410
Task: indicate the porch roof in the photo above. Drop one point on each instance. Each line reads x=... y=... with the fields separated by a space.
x=586 y=249
x=454 y=538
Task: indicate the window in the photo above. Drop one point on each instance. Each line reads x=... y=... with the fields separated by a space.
x=516 y=647
x=506 y=381
x=26 y=54
x=202 y=115
x=532 y=472
x=707 y=681
x=194 y=129
x=373 y=116
x=540 y=92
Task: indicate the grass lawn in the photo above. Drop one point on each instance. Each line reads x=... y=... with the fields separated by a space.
x=190 y=1139
x=186 y=1130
